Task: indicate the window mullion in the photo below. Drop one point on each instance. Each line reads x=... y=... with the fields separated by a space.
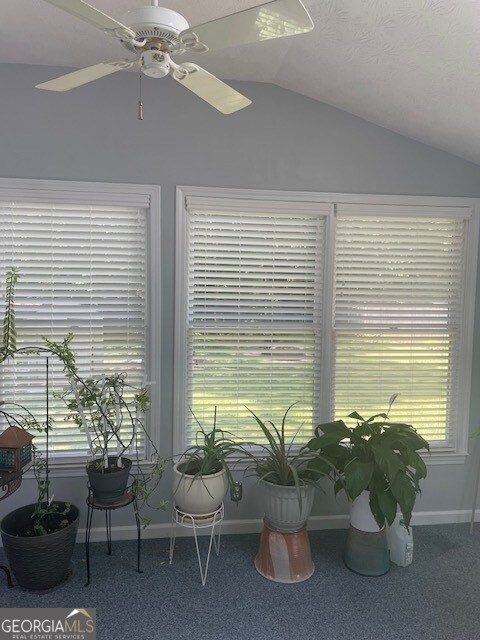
x=325 y=357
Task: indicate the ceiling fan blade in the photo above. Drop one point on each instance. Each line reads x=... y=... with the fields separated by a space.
x=93 y=16
x=209 y=88
x=266 y=22
x=82 y=76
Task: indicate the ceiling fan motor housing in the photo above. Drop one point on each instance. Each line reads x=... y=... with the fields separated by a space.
x=155 y=64
x=156 y=23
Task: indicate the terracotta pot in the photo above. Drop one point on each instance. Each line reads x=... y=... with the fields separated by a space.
x=284 y=556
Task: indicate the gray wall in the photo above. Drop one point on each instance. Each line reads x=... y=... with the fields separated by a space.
x=282 y=141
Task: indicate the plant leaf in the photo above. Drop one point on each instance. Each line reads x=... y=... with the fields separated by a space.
x=337 y=428
x=357 y=477
x=378 y=415
x=356 y=416
x=387 y=504
x=316 y=444
x=388 y=461
x=376 y=510
x=338 y=486
x=404 y=493
x=319 y=467
x=415 y=461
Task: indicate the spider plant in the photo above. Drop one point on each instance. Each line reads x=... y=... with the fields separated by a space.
x=281 y=461
x=210 y=452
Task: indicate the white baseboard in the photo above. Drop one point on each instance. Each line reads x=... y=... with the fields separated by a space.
x=444 y=517
x=254 y=525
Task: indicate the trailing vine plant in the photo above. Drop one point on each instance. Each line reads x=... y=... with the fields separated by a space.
x=9 y=335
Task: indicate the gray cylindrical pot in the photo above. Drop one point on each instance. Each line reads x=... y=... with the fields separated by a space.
x=110 y=486
x=38 y=562
x=282 y=508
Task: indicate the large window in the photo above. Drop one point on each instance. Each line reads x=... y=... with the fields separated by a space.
x=81 y=251
x=327 y=301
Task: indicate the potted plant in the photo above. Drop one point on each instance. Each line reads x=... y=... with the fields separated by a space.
x=38 y=539
x=201 y=477
x=110 y=413
x=107 y=409
x=378 y=465
x=287 y=475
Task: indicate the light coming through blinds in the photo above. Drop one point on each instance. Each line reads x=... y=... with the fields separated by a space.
x=398 y=318
x=254 y=318
x=83 y=269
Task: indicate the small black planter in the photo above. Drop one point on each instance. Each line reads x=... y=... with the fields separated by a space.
x=38 y=562
x=108 y=487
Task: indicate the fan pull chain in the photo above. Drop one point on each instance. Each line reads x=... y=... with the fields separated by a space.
x=140 y=103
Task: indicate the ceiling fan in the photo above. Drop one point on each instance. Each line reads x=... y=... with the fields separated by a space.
x=154 y=34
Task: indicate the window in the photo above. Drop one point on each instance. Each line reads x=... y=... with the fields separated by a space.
x=328 y=301
x=81 y=250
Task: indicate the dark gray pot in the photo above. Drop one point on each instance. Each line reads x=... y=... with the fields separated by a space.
x=109 y=487
x=38 y=562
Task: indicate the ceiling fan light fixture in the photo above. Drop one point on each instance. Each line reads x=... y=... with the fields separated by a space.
x=155 y=64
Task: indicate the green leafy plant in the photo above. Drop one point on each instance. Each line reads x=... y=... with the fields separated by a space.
x=281 y=462
x=45 y=517
x=210 y=452
x=378 y=456
x=109 y=411
x=111 y=414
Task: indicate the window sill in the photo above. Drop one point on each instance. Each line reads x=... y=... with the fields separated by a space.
x=444 y=457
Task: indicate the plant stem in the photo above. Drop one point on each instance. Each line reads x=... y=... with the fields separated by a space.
x=47 y=404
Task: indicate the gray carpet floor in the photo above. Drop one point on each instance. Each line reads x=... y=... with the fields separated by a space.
x=436 y=598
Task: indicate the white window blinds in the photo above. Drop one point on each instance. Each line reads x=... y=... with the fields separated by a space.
x=253 y=315
x=399 y=288
x=83 y=269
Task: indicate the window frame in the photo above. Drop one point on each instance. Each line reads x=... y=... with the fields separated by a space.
x=98 y=193
x=454 y=455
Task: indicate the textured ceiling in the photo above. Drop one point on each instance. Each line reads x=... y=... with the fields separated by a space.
x=409 y=65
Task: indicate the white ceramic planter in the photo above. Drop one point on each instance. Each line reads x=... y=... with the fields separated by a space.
x=361 y=516
x=282 y=508
x=199 y=496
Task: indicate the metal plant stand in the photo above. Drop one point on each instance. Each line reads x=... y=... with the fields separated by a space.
x=195 y=522
x=93 y=505
x=9 y=483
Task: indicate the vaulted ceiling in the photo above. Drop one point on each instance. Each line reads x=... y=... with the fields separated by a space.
x=411 y=66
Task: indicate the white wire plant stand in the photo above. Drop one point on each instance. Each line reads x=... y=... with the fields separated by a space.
x=198 y=522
